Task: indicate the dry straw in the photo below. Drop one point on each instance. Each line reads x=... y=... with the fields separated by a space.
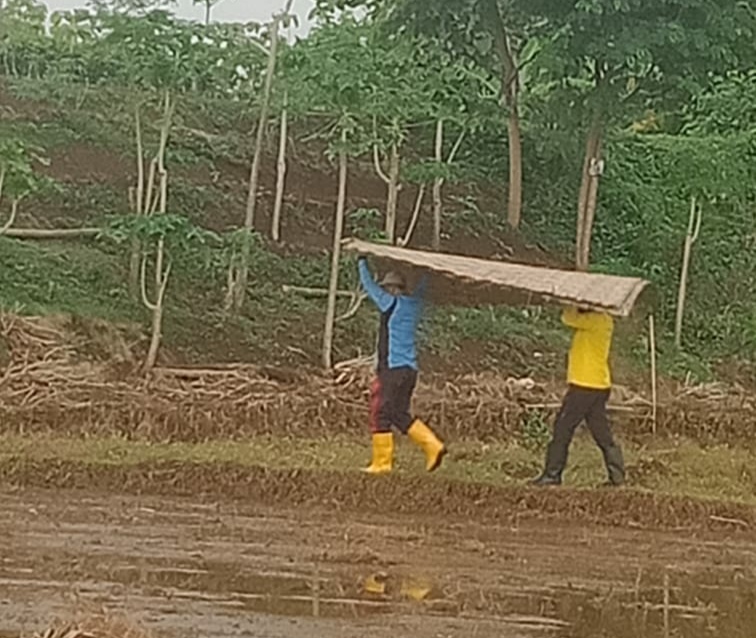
x=47 y=386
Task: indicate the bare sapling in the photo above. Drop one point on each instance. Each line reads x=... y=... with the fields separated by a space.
x=404 y=241
x=393 y=187
x=392 y=196
x=155 y=201
x=438 y=182
x=275 y=231
x=240 y=278
x=691 y=236
x=137 y=205
x=338 y=232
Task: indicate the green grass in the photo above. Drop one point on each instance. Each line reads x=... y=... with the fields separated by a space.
x=671 y=468
x=89 y=279
x=76 y=278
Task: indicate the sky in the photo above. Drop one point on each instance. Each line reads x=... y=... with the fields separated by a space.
x=233 y=10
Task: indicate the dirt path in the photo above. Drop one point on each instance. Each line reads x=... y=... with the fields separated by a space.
x=225 y=569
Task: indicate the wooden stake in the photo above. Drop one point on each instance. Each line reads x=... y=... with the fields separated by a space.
x=694 y=227
x=652 y=349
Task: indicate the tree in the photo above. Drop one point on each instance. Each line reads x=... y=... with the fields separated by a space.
x=238 y=279
x=493 y=36
x=322 y=82
x=22 y=37
x=727 y=107
x=150 y=195
x=166 y=238
x=209 y=4
x=134 y=7
x=459 y=99
x=611 y=59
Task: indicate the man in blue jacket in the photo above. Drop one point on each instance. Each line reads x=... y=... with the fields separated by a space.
x=396 y=373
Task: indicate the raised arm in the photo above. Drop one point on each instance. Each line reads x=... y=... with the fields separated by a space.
x=377 y=294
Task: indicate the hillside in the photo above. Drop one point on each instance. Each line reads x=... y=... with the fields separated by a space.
x=87 y=147
x=92 y=176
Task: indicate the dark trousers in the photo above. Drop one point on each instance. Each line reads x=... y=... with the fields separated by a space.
x=584 y=404
x=391 y=399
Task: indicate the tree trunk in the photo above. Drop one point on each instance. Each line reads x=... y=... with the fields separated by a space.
x=392 y=199
x=241 y=278
x=165 y=131
x=510 y=98
x=208 y=9
x=438 y=182
x=588 y=196
x=280 y=176
x=155 y=339
x=514 y=208
x=156 y=307
x=135 y=259
x=338 y=232
x=590 y=208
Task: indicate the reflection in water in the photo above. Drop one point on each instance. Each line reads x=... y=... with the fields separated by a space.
x=697 y=605
x=693 y=605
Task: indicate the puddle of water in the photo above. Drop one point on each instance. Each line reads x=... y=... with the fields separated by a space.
x=698 y=604
x=260 y=580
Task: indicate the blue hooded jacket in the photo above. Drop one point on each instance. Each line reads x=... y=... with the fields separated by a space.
x=400 y=316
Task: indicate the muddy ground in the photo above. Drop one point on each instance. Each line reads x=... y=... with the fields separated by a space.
x=194 y=567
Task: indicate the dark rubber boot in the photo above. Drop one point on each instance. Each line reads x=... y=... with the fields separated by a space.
x=556 y=459
x=546 y=480
x=615 y=465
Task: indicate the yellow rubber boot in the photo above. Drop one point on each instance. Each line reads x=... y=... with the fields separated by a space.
x=383 y=454
x=422 y=436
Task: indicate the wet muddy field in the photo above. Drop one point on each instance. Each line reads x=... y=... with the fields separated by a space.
x=205 y=568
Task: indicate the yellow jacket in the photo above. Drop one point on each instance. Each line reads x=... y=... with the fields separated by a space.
x=589 y=355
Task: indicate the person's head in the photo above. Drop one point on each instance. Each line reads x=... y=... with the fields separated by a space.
x=394 y=283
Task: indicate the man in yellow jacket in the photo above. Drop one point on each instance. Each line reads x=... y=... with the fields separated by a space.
x=590 y=383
